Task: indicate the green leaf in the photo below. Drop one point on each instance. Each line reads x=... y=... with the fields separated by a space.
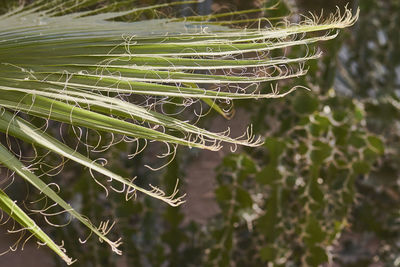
x=341 y=133
x=361 y=167
x=15 y=212
x=315 y=190
x=20 y=128
x=9 y=161
x=305 y=103
x=317 y=256
x=356 y=140
x=315 y=234
x=321 y=125
x=268 y=253
x=376 y=143
x=268 y=175
x=321 y=151
x=49 y=108
x=243 y=198
x=275 y=148
x=223 y=193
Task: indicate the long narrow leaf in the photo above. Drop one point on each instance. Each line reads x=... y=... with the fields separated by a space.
x=17 y=127
x=11 y=208
x=7 y=159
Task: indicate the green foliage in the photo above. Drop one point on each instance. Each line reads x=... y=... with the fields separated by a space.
x=285 y=203
x=326 y=188
x=71 y=62
x=301 y=182
x=374 y=80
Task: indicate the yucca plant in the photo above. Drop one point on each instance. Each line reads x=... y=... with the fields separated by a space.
x=107 y=72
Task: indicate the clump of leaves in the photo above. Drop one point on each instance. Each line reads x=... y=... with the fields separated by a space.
x=289 y=201
x=375 y=81
x=84 y=65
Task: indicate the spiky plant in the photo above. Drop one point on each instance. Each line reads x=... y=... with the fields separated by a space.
x=104 y=71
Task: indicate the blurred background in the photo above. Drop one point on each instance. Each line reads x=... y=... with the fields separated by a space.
x=322 y=191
